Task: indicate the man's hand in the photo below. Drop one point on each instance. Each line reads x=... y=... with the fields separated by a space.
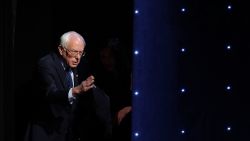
x=84 y=86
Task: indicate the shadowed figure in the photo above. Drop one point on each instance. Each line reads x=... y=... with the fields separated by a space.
x=114 y=77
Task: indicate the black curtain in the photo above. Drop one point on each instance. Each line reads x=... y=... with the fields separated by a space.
x=8 y=19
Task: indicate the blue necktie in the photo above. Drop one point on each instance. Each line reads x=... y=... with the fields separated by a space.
x=68 y=78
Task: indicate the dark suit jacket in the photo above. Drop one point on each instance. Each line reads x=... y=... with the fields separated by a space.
x=54 y=118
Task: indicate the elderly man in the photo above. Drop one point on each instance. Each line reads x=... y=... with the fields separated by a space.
x=65 y=108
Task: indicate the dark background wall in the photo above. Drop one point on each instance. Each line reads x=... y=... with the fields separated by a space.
x=39 y=25
x=7 y=16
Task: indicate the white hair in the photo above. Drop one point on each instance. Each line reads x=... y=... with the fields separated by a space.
x=68 y=35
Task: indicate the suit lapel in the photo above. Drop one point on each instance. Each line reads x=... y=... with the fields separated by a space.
x=60 y=70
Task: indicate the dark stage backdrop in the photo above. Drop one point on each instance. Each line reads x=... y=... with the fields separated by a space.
x=7 y=20
x=214 y=70
x=191 y=70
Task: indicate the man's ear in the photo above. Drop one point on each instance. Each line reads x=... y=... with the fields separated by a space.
x=60 y=49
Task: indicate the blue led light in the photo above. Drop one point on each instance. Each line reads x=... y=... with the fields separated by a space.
x=183 y=9
x=136 y=11
x=229 y=7
x=136 y=134
x=183 y=49
x=183 y=90
x=136 y=93
x=228 y=47
x=182 y=131
x=229 y=128
x=136 y=52
x=228 y=87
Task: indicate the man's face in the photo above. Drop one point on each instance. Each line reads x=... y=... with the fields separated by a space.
x=73 y=53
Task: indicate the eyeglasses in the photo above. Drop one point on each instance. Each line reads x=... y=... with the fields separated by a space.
x=74 y=53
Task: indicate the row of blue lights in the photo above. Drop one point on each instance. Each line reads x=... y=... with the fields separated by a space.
x=227 y=129
x=183 y=90
x=228 y=47
x=229 y=7
x=183 y=131
x=136 y=93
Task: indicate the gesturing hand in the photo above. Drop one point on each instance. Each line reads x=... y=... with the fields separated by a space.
x=87 y=84
x=84 y=86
